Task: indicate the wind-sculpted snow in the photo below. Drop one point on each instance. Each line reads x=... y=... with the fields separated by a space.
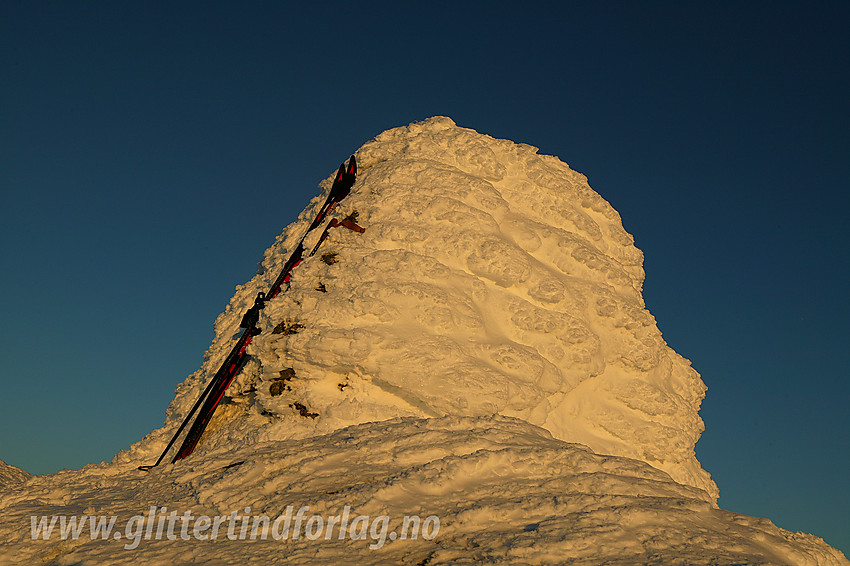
x=504 y=492
x=11 y=477
x=490 y=279
x=480 y=356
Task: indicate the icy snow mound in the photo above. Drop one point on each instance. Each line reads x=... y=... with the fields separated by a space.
x=490 y=280
x=11 y=476
x=504 y=491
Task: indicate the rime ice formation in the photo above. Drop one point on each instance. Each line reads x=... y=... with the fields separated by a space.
x=480 y=354
x=11 y=476
x=490 y=279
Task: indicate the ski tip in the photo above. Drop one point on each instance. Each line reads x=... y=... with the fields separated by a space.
x=352 y=166
x=341 y=173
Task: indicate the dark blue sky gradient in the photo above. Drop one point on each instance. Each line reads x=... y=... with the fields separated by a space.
x=152 y=151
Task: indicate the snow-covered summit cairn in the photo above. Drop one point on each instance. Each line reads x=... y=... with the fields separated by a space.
x=489 y=279
x=454 y=329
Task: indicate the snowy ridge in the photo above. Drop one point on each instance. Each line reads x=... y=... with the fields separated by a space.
x=490 y=279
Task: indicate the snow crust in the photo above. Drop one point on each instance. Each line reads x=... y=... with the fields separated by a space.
x=481 y=353
x=506 y=492
x=10 y=476
x=490 y=279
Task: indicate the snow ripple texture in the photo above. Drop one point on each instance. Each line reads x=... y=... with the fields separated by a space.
x=10 y=476
x=490 y=280
x=505 y=492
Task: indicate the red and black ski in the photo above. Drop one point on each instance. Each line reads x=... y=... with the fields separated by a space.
x=217 y=379
x=342 y=184
x=232 y=368
x=237 y=357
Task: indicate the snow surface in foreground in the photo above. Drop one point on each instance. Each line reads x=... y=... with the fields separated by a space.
x=470 y=357
x=504 y=491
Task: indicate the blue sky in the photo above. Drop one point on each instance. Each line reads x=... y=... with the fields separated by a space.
x=152 y=151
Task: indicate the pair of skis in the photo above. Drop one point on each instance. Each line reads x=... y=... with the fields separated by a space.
x=237 y=358
x=217 y=385
x=342 y=184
